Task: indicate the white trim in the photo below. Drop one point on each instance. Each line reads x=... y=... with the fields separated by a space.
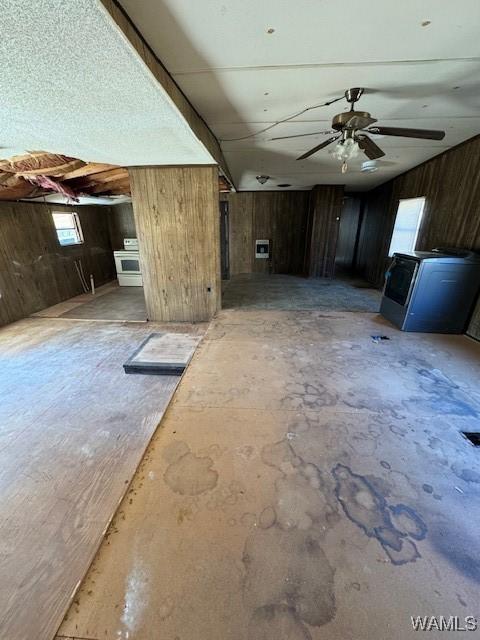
x=419 y=222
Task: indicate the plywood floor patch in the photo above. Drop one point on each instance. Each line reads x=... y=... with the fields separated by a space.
x=73 y=429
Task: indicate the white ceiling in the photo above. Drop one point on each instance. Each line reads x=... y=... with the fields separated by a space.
x=71 y=83
x=418 y=59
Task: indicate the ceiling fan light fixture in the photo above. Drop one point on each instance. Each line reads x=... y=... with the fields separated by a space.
x=337 y=151
x=346 y=150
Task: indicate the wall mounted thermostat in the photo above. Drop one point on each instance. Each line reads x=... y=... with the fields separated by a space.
x=262 y=248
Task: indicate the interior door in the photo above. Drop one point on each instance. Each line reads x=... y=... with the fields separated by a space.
x=325 y=208
x=224 y=246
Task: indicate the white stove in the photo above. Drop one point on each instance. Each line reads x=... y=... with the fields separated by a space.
x=127 y=263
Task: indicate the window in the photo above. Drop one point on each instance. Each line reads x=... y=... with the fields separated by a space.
x=68 y=228
x=407 y=225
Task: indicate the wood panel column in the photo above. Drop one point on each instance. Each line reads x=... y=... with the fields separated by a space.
x=177 y=220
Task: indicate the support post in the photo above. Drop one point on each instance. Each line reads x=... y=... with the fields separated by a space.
x=177 y=221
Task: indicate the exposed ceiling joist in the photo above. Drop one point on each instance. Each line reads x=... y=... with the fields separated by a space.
x=89 y=169
x=121 y=185
x=92 y=179
x=110 y=175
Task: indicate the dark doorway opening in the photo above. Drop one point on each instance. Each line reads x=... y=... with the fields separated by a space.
x=348 y=232
x=224 y=248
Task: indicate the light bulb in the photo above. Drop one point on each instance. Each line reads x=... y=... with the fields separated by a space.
x=354 y=150
x=338 y=151
x=345 y=150
x=351 y=148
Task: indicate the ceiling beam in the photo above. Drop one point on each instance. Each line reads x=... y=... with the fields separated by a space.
x=107 y=176
x=223 y=184
x=102 y=177
x=88 y=170
x=121 y=184
x=196 y=123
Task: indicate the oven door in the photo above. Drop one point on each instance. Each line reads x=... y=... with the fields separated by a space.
x=127 y=262
x=400 y=279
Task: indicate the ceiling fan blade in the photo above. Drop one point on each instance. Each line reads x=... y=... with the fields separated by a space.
x=318 y=147
x=369 y=148
x=302 y=135
x=426 y=134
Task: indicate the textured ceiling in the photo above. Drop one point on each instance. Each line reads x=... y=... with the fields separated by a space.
x=419 y=61
x=72 y=84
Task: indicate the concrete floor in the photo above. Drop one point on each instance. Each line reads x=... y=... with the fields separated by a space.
x=110 y=303
x=247 y=291
x=123 y=303
x=306 y=483
x=283 y=292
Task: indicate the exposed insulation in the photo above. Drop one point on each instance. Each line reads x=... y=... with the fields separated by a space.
x=40 y=163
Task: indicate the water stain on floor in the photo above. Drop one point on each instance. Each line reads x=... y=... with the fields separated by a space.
x=187 y=473
x=302 y=495
x=277 y=622
x=442 y=395
x=288 y=569
x=393 y=526
x=306 y=394
x=458 y=546
x=289 y=582
x=465 y=474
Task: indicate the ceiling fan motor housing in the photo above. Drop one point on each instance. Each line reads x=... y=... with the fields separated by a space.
x=351 y=120
x=354 y=94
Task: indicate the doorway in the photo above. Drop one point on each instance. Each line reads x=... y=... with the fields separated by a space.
x=348 y=233
x=224 y=246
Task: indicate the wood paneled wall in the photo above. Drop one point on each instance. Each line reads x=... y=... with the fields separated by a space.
x=451 y=184
x=177 y=221
x=35 y=271
x=325 y=208
x=121 y=224
x=240 y=221
x=280 y=217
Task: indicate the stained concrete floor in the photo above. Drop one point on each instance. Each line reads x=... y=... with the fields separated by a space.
x=123 y=303
x=305 y=483
x=284 y=292
x=110 y=303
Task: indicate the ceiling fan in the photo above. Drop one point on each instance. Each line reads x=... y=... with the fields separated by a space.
x=351 y=133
